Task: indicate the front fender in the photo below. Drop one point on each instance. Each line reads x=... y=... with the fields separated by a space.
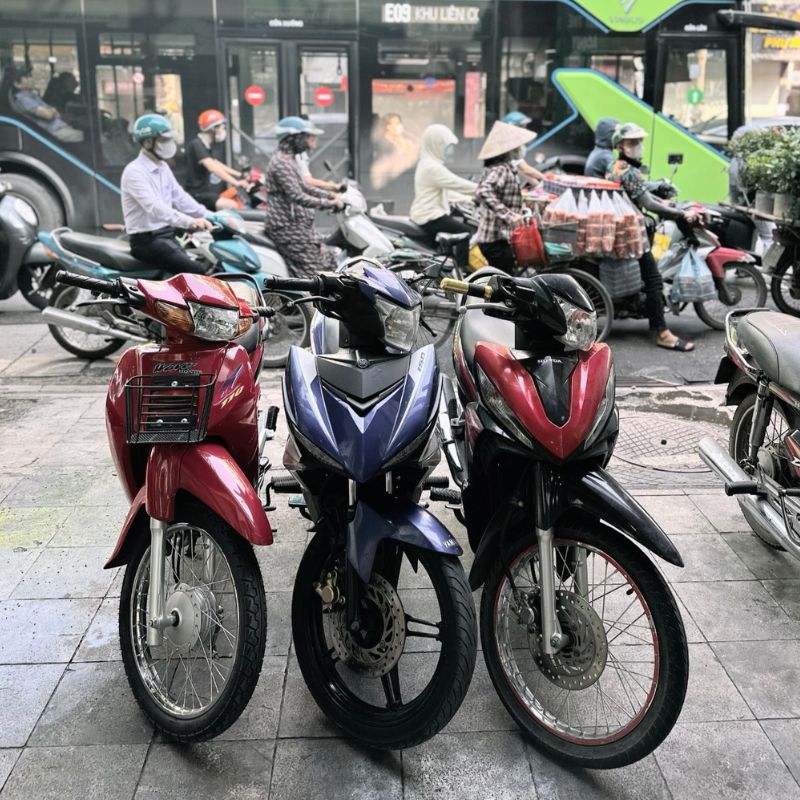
x=206 y=471
x=407 y=522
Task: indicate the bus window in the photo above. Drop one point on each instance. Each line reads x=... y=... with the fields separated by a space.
x=696 y=91
x=626 y=70
x=40 y=81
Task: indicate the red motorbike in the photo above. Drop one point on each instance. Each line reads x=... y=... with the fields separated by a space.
x=581 y=635
x=187 y=439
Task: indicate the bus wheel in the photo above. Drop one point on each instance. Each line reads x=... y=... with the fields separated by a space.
x=44 y=203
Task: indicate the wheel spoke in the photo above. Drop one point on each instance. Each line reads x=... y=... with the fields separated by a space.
x=391 y=688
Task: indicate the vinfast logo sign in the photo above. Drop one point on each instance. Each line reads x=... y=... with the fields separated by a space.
x=632 y=15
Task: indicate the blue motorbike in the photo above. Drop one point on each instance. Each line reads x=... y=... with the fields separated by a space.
x=93 y=328
x=389 y=666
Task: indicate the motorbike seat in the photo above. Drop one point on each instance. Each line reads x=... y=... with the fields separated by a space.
x=773 y=340
x=402 y=225
x=111 y=253
x=451 y=239
x=478 y=327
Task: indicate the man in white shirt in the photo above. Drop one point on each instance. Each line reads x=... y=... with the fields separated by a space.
x=154 y=204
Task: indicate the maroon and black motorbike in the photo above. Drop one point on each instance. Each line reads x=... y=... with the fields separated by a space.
x=581 y=635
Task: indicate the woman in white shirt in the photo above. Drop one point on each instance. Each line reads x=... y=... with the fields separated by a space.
x=436 y=188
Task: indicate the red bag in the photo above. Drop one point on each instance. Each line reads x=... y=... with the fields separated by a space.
x=526 y=240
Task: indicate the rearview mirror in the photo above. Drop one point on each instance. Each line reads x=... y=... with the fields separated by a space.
x=675 y=158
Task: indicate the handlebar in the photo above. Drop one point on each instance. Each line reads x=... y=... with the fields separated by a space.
x=262 y=311
x=98 y=285
x=484 y=291
x=276 y=283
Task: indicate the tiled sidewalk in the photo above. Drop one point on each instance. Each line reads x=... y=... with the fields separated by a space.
x=69 y=727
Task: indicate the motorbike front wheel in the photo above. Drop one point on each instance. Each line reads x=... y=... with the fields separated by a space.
x=747 y=289
x=290 y=326
x=198 y=681
x=90 y=346
x=613 y=693
x=399 y=679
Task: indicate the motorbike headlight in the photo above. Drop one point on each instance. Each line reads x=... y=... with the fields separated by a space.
x=581 y=331
x=400 y=324
x=217 y=324
x=26 y=212
x=606 y=407
x=499 y=408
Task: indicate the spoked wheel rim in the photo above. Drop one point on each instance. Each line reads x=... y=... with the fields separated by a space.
x=600 y=687
x=67 y=299
x=782 y=284
x=745 y=288
x=188 y=674
x=777 y=429
x=288 y=327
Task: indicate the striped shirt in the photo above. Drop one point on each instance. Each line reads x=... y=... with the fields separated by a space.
x=500 y=198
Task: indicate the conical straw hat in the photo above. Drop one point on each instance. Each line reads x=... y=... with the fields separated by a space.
x=503 y=138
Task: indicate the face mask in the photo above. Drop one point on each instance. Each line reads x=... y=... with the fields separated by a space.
x=636 y=151
x=166 y=150
x=520 y=154
x=449 y=152
x=220 y=135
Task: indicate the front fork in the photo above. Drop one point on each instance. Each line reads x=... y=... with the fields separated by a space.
x=155 y=587
x=553 y=638
x=762 y=413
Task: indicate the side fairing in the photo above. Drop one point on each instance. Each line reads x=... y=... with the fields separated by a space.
x=361 y=442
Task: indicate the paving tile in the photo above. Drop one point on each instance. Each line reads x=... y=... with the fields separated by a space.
x=43 y=630
x=287 y=524
x=784 y=735
x=209 y=771
x=14 y=563
x=640 y=781
x=346 y=771
x=8 y=758
x=706 y=557
x=711 y=695
x=30 y=527
x=279 y=622
x=300 y=715
x=736 y=611
x=118 y=576
x=676 y=514
x=83 y=445
x=763 y=561
x=93 y=704
x=723 y=760
x=61 y=486
x=91 y=527
x=67 y=572
x=259 y=720
x=279 y=563
x=488 y=765
x=693 y=633
x=787 y=594
x=104 y=772
x=481 y=709
x=721 y=511
x=24 y=692
x=101 y=640
x=8 y=481
x=766 y=673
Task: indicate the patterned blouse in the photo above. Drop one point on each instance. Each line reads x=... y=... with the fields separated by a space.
x=290 y=201
x=500 y=198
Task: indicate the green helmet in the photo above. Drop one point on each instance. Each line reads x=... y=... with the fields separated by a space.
x=627 y=130
x=149 y=126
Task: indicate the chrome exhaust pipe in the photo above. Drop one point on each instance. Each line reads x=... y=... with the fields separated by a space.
x=69 y=319
x=760 y=514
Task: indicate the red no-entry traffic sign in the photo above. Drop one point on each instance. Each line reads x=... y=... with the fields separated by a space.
x=254 y=95
x=323 y=96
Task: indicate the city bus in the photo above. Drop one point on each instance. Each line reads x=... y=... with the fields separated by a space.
x=373 y=75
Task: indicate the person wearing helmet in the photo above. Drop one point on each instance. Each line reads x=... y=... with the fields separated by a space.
x=291 y=202
x=602 y=156
x=207 y=172
x=436 y=187
x=499 y=195
x=628 y=140
x=527 y=173
x=154 y=204
x=304 y=165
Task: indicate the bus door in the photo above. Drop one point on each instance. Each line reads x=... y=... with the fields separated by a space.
x=267 y=81
x=698 y=85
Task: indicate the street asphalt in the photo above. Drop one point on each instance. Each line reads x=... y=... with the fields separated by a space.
x=69 y=727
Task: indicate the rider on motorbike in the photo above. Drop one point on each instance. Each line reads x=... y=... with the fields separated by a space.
x=291 y=203
x=628 y=140
x=154 y=204
x=205 y=163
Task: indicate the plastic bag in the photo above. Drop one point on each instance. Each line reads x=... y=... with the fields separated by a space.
x=565 y=209
x=583 y=213
x=526 y=241
x=621 y=276
x=594 y=225
x=609 y=224
x=693 y=283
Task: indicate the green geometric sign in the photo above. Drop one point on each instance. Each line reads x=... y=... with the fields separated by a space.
x=695 y=96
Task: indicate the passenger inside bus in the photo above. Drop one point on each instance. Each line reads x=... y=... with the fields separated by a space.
x=24 y=99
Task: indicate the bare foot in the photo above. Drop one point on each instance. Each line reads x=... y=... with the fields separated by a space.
x=669 y=341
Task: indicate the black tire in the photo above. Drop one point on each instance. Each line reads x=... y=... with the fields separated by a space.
x=63 y=297
x=782 y=279
x=750 y=291
x=291 y=325
x=36 y=283
x=672 y=677
x=424 y=716
x=251 y=640
x=44 y=202
x=601 y=298
x=738 y=443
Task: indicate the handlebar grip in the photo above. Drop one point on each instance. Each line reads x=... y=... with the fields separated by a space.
x=277 y=283
x=262 y=311
x=84 y=282
x=482 y=290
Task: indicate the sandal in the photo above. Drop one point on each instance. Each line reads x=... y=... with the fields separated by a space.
x=681 y=345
